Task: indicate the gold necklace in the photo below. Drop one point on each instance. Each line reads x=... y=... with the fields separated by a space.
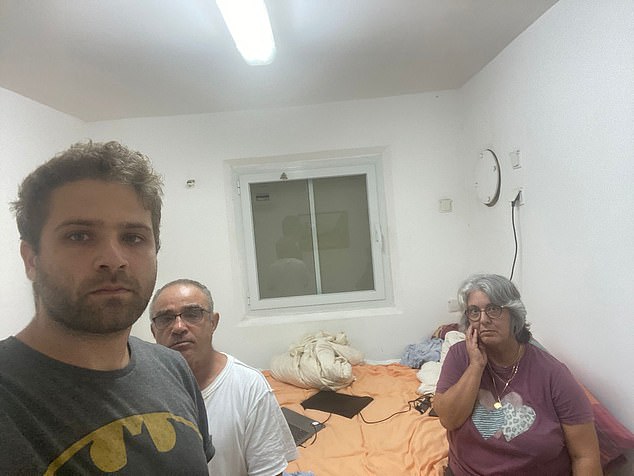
x=498 y=404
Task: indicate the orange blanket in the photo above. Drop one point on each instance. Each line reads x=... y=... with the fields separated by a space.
x=406 y=444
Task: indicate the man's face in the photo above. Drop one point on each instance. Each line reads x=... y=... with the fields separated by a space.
x=193 y=340
x=96 y=267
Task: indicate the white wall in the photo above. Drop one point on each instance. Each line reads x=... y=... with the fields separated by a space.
x=563 y=93
x=422 y=165
x=198 y=237
x=30 y=133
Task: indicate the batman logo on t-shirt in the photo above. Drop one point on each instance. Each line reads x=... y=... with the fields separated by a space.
x=107 y=444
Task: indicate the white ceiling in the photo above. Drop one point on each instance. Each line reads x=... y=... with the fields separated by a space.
x=112 y=59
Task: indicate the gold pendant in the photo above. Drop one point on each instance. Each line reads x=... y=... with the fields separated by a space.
x=497 y=405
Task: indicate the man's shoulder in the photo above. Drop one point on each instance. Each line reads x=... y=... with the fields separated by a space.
x=16 y=356
x=242 y=367
x=141 y=345
x=7 y=344
x=8 y=350
x=145 y=350
x=155 y=361
x=246 y=372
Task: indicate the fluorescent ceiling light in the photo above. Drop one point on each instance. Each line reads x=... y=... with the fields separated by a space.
x=248 y=23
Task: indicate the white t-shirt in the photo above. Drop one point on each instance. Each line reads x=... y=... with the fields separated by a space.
x=248 y=428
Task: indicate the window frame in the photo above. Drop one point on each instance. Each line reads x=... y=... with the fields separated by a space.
x=306 y=167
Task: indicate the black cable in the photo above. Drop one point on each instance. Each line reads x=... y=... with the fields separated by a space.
x=314 y=437
x=514 y=233
x=386 y=418
x=423 y=400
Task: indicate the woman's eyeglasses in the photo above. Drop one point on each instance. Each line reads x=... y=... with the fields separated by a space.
x=191 y=315
x=473 y=313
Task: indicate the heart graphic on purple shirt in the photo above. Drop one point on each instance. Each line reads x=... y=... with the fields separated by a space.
x=487 y=421
x=513 y=419
x=517 y=420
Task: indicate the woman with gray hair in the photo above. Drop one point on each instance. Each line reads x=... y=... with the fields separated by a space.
x=508 y=406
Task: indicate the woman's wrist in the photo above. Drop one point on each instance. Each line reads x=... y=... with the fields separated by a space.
x=477 y=366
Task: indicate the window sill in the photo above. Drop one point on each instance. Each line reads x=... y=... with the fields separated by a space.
x=298 y=318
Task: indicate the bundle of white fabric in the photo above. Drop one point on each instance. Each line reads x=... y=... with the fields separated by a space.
x=320 y=360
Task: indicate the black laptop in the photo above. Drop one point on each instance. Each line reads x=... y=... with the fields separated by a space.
x=339 y=403
x=302 y=427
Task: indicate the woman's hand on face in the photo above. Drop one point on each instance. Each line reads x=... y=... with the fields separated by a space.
x=477 y=353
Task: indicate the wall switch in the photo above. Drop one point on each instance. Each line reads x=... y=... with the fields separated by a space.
x=515 y=159
x=453 y=306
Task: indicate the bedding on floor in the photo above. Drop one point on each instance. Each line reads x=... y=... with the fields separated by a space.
x=408 y=443
x=390 y=436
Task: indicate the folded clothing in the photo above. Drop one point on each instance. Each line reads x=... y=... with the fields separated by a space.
x=416 y=355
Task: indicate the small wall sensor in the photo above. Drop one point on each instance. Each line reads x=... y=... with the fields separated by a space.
x=445 y=205
x=191 y=183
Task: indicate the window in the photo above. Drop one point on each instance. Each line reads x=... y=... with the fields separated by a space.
x=312 y=232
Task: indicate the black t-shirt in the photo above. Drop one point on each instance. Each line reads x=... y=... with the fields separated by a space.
x=147 y=418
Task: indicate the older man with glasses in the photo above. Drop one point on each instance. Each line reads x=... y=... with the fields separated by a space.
x=249 y=429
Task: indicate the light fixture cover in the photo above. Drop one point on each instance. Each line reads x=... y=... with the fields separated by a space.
x=249 y=25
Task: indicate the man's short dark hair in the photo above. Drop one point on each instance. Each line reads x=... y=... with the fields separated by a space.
x=109 y=161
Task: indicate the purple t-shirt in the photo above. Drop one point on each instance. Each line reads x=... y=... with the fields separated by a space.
x=524 y=437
